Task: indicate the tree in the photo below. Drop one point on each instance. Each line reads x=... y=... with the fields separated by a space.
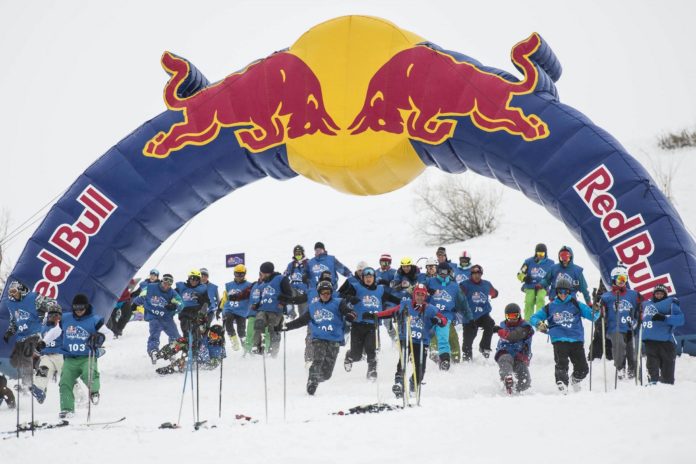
x=454 y=209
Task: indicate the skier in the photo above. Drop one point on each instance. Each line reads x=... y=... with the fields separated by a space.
x=276 y=293
x=430 y=270
x=661 y=315
x=385 y=273
x=298 y=273
x=421 y=318
x=160 y=302
x=448 y=298
x=620 y=306
x=441 y=255
x=153 y=278
x=566 y=269
x=325 y=319
x=235 y=306
x=366 y=297
x=27 y=310
x=531 y=274
x=514 y=350
x=51 y=349
x=83 y=335
x=406 y=277
x=323 y=261
x=463 y=271
x=478 y=295
x=195 y=298
x=561 y=318
x=213 y=294
x=121 y=314
x=6 y=394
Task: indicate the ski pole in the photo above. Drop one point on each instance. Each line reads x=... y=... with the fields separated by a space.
x=604 y=349
x=32 y=384
x=89 y=381
x=193 y=392
x=265 y=383
x=19 y=394
x=285 y=384
x=220 y=394
x=377 y=353
x=639 y=356
x=615 y=349
x=183 y=391
x=420 y=374
x=401 y=359
x=591 y=349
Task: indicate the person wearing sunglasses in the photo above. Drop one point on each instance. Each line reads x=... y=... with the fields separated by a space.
x=367 y=298
x=562 y=320
x=27 y=310
x=620 y=306
x=531 y=274
x=83 y=335
x=479 y=293
x=514 y=350
x=325 y=317
x=297 y=271
x=566 y=269
x=385 y=273
x=160 y=302
x=235 y=306
x=448 y=298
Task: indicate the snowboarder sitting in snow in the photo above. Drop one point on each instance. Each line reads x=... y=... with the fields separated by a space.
x=325 y=319
x=514 y=350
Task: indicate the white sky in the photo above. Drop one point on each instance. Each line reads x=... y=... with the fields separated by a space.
x=78 y=76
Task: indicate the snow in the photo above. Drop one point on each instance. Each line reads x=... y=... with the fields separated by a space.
x=68 y=54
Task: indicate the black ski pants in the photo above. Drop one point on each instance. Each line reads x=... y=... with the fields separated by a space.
x=325 y=354
x=563 y=352
x=418 y=356
x=230 y=320
x=362 y=337
x=660 y=361
x=22 y=358
x=469 y=334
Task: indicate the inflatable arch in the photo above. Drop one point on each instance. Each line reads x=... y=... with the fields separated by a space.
x=365 y=120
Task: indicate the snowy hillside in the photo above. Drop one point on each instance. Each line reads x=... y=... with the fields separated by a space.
x=112 y=81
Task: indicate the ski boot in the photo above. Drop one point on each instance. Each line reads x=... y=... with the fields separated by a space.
x=575 y=383
x=348 y=364
x=312 y=386
x=435 y=356
x=154 y=356
x=66 y=414
x=234 y=341
x=486 y=353
x=621 y=374
x=509 y=384
x=372 y=373
x=94 y=398
x=38 y=393
x=398 y=390
x=563 y=388
x=444 y=362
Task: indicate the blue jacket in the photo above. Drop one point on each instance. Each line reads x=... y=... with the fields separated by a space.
x=384 y=277
x=537 y=270
x=298 y=274
x=193 y=297
x=326 y=262
x=477 y=297
x=420 y=321
x=462 y=274
x=627 y=302
x=77 y=330
x=213 y=296
x=26 y=315
x=516 y=346
x=571 y=272
x=564 y=319
x=238 y=307
x=153 y=300
x=447 y=297
x=370 y=301
x=661 y=331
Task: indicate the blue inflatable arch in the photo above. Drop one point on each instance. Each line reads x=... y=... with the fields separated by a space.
x=406 y=104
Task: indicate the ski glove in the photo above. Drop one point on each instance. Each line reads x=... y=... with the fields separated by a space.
x=436 y=321
x=171 y=306
x=40 y=346
x=7 y=336
x=351 y=316
x=368 y=317
x=496 y=328
x=527 y=279
x=542 y=327
x=658 y=317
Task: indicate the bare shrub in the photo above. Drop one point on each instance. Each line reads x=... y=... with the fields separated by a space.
x=675 y=141
x=455 y=209
x=664 y=167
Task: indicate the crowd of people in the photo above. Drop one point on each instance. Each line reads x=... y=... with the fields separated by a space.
x=420 y=310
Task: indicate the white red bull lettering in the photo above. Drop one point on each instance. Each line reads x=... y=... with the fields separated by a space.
x=73 y=239
x=634 y=250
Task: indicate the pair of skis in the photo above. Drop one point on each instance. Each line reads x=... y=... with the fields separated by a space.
x=29 y=427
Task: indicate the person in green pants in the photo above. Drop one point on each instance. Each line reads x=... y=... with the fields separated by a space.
x=531 y=274
x=83 y=335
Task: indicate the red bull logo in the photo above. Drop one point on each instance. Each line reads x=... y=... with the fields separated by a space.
x=403 y=97
x=278 y=97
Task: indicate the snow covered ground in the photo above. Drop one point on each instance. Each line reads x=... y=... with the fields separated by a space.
x=464 y=415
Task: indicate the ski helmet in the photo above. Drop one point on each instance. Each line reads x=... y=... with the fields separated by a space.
x=431 y=262
x=267 y=268
x=168 y=279
x=660 y=288
x=386 y=257
x=564 y=284
x=619 y=275
x=54 y=308
x=464 y=259
x=367 y=271
x=420 y=289
x=80 y=302
x=540 y=248
x=154 y=272
x=406 y=261
x=194 y=274
x=18 y=289
x=239 y=269
x=512 y=312
x=323 y=286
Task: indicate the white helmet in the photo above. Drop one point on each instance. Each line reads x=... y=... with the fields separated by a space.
x=431 y=262
x=619 y=270
x=361 y=265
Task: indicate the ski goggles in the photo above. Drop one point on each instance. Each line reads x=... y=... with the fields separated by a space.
x=512 y=316
x=443 y=272
x=540 y=254
x=621 y=279
x=368 y=271
x=168 y=280
x=384 y=263
x=79 y=307
x=564 y=255
x=325 y=293
x=239 y=274
x=563 y=291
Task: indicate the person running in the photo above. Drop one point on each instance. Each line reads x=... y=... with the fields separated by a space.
x=514 y=350
x=235 y=306
x=323 y=261
x=478 y=293
x=566 y=269
x=325 y=319
x=561 y=319
x=531 y=274
x=298 y=273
